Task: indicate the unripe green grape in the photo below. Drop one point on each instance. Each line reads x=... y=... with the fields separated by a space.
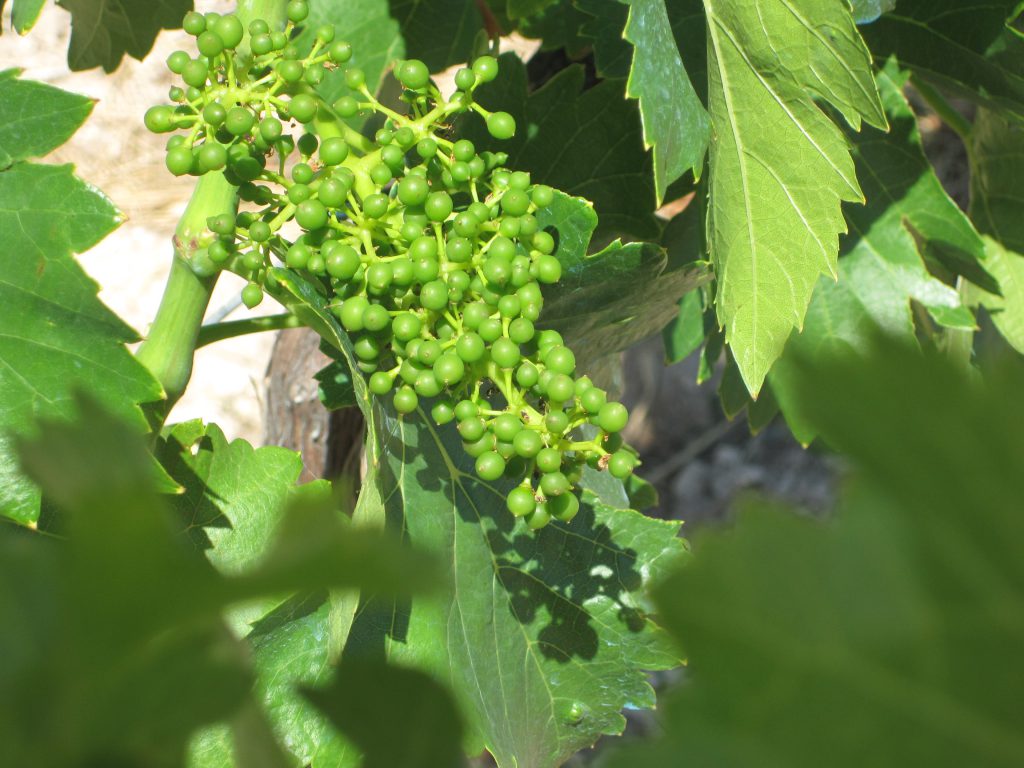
x=297 y=257
x=333 y=151
x=193 y=94
x=332 y=193
x=214 y=113
x=475 y=313
x=405 y=137
x=497 y=269
x=160 y=119
x=177 y=61
x=621 y=464
x=549 y=269
x=212 y=156
x=413 y=190
x=559 y=359
x=405 y=399
x=506 y=427
x=406 y=326
x=252 y=295
x=223 y=224
x=258 y=27
x=239 y=121
x=383 y=136
x=218 y=252
x=176 y=94
x=463 y=150
x=515 y=202
x=549 y=460
x=563 y=508
x=342 y=262
x=465 y=409
x=366 y=348
x=459 y=250
x=404 y=273
x=465 y=79
x=410 y=370
x=426 y=148
x=543 y=242
x=477 y=168
x=355 y=78
x=393 y=157
x=539 y=518
x=195 y=73
x=376 y=318
x=380 y=383
x=261 y=44
x=528 y=225
x=379 y=276
x=303 y=107
x=425 y=270
x=542 y=196
x=317 y=265
x=527 y=443
x=229 y=29
x=460 y=171
x=503 y=247
x=381 y=174
x=554 y=484
x=434 y=295
x=479 y=447
x=325 y=33
x=449 y=369
x=466 y=225
x=252 y=260
x=560 y=388
x=429 y=351
x=521 y=502
x=508 y=306
x=297 y=10
x=271 y=129
x=521 y=330
x=423 y=248
x=259 y=231
x=346 y=107
x=472 y=429
x=351 y=313
x=311 y=214
x=612 y=417
x=489 y=330
x=505 y=353
x=340 y=52
x=194 y=23
x=485 y=68
x=209 y=44
x=556 y=422
x=501 y=125
x=442 y=412
x=509 y=227
x=375 y=205
x=527 y=375
x=490 y=466
x=413 y=74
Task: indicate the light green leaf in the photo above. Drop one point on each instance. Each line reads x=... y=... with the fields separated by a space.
x=36 y=118
x=1007 y=311
x=963 y=45
x=25 y=14
x=103 y=31
x=881 y=270
x=57 y=337
x=677 y=128
x=585 y=143
x=896 y=618
x=780 y=168
x=866 y=11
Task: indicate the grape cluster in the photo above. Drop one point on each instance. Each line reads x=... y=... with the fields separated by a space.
x=430 y=253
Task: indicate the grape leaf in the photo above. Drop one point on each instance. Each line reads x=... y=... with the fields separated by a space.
x=518 y=9
x=541 y=636
x=897 y=618
x=585 y=143
x=963 y=45
x=25 y=14
x=57 y=337
x=103 y=31
x=997 y=162
x=779 y=168
x=677 y=128
x=881 y=270
x=36 y=118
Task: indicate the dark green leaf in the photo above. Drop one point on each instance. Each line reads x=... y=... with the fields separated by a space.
x=57 y=335
x=882 y=637
x=103 y=31
x=780 y=168
x=397 y=717
x=963 y=45
x=881 y=270
x=685 y=332
x=588 y=144
x=559 y=26
x=336 y=389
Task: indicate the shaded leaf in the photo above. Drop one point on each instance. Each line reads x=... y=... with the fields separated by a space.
x=25 y=14
x=36 y=118
x=897 y=619
x=585 y=143
x=103 y=31
x=963 y=45
x=397 y=717
x=866 y=11
x=881 y=270
x=780 y=167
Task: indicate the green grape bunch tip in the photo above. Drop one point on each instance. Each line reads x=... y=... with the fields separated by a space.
x=430 y=253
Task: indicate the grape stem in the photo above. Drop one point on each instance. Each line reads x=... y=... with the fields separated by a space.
x=213 y=332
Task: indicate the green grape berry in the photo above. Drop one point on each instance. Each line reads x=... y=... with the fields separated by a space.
x=501 y=125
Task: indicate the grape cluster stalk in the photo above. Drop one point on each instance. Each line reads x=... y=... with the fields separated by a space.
x=429 y=253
